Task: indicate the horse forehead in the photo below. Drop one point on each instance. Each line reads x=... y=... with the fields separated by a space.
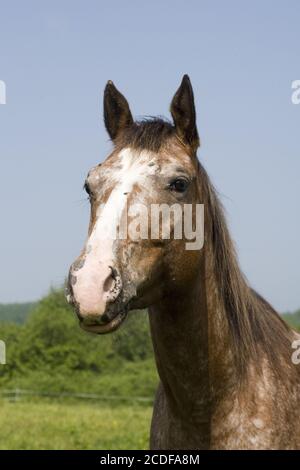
x=125 y=161
x=132 y=165
x=136 y=163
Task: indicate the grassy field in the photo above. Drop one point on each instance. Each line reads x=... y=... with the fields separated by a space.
x=44 y=425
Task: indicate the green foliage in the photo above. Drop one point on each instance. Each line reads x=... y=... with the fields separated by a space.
x=16 y=313
x=293 y=319
x=49 y=352
x=132 y=342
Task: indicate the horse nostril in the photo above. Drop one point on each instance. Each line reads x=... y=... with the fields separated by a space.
x=113 y=285
x=108 y=283
x=114 y=272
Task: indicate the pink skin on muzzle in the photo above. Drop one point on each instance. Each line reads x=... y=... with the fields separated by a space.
x=94 y=286
x=91 y=286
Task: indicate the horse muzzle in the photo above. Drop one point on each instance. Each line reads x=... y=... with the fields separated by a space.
x=96 y=292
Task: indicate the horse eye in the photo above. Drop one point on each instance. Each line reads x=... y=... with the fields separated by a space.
x=179 y=185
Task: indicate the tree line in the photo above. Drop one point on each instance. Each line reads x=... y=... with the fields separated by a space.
x=50 y=352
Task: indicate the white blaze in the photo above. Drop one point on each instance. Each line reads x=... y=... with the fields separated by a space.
x=134 y=169
x=90 y=288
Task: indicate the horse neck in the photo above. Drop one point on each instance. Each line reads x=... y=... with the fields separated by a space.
x=192 y=346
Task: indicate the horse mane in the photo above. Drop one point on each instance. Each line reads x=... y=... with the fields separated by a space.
x=147 y=134
x=255 y=328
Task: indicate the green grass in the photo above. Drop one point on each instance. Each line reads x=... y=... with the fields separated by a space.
x=44 y=425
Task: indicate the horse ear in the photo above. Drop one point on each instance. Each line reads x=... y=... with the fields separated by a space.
x=117 y=115
x=184 y=114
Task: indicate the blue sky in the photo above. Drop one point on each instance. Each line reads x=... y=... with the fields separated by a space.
x=55 y=58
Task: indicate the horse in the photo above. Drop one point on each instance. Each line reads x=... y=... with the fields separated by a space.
x=223 y=354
